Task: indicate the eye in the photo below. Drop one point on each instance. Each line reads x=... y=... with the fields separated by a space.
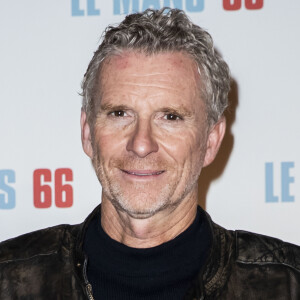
x=172 y=117
x=118 y=113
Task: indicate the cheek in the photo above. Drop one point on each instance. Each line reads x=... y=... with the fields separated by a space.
x=108 y=145
x=186 y=146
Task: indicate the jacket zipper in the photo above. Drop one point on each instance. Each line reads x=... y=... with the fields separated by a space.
x=89 y=291
x=88 y=286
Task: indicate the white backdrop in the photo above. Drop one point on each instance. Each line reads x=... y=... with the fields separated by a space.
x=45 y=48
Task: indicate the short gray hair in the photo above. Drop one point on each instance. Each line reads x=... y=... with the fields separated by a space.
x=156 y=31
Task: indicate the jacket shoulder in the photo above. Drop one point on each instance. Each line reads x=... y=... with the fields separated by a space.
x=255 y=248
x=41 y=242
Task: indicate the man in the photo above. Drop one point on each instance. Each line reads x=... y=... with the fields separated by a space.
x=153 y=101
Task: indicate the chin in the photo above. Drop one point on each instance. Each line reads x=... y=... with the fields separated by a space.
x=143 y=206
x=139 y=201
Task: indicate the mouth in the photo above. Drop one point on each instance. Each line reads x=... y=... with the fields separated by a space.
x=143 y=173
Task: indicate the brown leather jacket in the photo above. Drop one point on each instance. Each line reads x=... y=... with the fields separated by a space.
x=50 y=264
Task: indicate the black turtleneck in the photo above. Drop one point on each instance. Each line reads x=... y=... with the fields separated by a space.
x=117 y=271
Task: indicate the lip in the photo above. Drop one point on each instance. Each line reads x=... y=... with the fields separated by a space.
x=143 y=173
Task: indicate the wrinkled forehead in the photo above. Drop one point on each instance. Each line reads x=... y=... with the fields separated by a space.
x=128 y=59
x=175 y=68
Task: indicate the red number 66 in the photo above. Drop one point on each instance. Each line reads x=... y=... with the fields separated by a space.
x=42 y=192
x=237 y=4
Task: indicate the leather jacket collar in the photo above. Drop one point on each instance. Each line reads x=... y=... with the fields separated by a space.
x=212 y=276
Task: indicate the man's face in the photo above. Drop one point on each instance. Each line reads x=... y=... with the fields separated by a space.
x=150 y=134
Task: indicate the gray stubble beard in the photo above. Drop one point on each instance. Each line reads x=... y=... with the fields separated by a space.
x=113 y=192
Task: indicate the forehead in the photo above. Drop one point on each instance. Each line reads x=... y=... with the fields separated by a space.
x=169 y=66
x=131 y=59
x=169 y=79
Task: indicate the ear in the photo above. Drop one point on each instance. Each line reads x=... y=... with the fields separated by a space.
x=86 y=135
x=214 y=141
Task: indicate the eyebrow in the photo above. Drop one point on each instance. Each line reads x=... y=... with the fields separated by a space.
x=109 y=106
x=177 y=110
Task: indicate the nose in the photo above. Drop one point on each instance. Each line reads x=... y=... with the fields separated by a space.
x=141 y=141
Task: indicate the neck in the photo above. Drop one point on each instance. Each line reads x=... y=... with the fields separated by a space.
x=157 y=229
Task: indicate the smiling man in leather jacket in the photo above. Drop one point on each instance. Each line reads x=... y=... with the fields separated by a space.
x=153 y=101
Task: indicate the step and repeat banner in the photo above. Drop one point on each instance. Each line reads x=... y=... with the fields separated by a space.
x=45 y=177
